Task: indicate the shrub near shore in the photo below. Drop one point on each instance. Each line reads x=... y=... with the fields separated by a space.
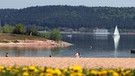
x=71 y=71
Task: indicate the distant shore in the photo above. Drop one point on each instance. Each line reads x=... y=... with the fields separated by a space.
x=36 y=44
x=57 y=62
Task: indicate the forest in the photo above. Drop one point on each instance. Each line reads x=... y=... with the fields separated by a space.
x=71 y=17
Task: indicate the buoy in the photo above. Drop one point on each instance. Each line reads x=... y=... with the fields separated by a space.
x=90 y=46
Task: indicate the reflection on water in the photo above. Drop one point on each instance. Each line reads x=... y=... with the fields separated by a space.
x=100 y=36
x=22 y=48
x=55 y=51
x=116 y=44
x=24 y=51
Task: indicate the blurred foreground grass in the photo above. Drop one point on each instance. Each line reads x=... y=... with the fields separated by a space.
x=71 y=71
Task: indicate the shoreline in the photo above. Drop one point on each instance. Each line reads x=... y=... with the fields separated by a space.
x=58 y=62
x=36 y=44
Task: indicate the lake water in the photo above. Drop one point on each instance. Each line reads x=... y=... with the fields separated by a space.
x=101 y=46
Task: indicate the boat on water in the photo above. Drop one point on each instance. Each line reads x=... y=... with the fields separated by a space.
x=116 y=37
x=101 y=31
x=69 y=36
x=116 y=32
x=133 y=51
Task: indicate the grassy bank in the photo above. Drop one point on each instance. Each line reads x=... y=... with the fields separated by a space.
x=19 y=37
x=6 y=38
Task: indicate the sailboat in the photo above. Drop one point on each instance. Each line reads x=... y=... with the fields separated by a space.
x=116 y=37
x=116 y=32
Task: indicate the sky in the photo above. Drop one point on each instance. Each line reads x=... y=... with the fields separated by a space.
x=19 y=4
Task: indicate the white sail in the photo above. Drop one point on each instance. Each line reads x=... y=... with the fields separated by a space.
x=116 y=38
x=116 y=32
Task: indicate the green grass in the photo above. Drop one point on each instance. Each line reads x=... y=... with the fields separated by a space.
x=5 y=38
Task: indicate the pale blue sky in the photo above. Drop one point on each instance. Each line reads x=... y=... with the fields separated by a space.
x=28 y=3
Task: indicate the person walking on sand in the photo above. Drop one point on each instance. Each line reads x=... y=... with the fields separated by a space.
x=78 y=55
x=6 y=55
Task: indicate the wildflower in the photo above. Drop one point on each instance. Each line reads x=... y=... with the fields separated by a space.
x=36 y=70
x=57 y=72
x=42 y=69
x=76 y=69
x=115 y=74
x=50 y=70
x=17 y=67
x=64 y=70
x=48 y=74
x=9 y=68
x=103 y=72
x=42 y=74
x=94 y=72
x=3 y=71
x=128 y=72
x=1 y=67
x=77 y=74
x=24 y=69
x=31 y=68
x=25 y=74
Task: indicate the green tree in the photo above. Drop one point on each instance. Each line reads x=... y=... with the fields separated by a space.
x=47 y=35
x=19 y=29
x=7 y=29
x=55 y=35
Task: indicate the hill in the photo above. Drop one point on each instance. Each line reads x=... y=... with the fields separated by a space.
x=74 y=17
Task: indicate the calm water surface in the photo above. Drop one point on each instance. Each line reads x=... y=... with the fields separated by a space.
x=102 y=46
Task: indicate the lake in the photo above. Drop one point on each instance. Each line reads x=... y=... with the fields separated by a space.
x=89 y=45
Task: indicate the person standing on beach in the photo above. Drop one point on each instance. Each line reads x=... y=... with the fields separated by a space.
x=6 y=55
x=50 y=56
x=78 y=55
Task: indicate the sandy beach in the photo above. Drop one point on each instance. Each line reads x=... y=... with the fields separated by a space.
x=57 y=62
x=36 y=44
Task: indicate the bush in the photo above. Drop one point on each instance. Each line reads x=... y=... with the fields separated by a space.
x=55 y=35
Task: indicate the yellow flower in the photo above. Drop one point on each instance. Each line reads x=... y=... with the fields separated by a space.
x=9 y=68
x=115 y=74
x=77 y=74
x=17 y=67
x=120 y=70
x=1 y=67
x=111 y=71
x=32 y=68
x=42 y=69
x=36 y=70
x=24 y=69
x=64 y=70
x=103 y=72
x=48 y=74
x=76 y=69
x=50 y=70
x=3 y=71
x=42 y=74
x=57 y=71
x=94 y=72
x=16 y=70
x=128 y=72
x=25 y=74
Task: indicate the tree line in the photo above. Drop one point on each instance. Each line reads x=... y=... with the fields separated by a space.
x=70 y=17
x=21 y=29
